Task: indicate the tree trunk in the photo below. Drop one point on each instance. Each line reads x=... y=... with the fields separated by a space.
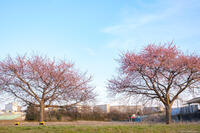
x=168 y=114
x=41 y=112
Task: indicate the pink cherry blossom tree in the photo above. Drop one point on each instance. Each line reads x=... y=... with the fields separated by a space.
x=159 y=72
x=44 y=82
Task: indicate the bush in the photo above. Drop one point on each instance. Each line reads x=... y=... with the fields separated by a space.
x=32 y=113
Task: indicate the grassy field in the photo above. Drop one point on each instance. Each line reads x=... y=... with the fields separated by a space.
x=157 y=128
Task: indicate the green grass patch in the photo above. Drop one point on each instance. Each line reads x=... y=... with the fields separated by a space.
x=157 y=128
x=9 y=117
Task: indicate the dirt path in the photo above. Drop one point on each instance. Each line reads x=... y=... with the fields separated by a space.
x=74 y=123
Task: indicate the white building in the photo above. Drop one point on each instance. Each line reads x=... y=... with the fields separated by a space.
x=1 y=112
x=13 y=107
x=126 y=108
x=105 y=108
x=190 y=107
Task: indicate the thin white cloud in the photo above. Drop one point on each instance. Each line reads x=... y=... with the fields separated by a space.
x=90 y=51
x=172 y=21
x=137 y=21
x=118 y=42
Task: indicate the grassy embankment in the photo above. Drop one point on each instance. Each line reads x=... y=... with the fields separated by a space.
x=157 y=128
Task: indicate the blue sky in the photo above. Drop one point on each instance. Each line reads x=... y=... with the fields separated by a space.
x=92 y=33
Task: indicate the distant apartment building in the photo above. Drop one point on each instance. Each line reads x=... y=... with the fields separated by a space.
x=82 y=108
x=105 y=108
x=126 y=109
x=12 y=107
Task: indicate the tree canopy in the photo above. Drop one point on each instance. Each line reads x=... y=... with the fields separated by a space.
x=44 y=82
x=161 y=72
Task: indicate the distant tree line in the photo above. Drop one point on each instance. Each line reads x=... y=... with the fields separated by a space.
x=64 y=114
